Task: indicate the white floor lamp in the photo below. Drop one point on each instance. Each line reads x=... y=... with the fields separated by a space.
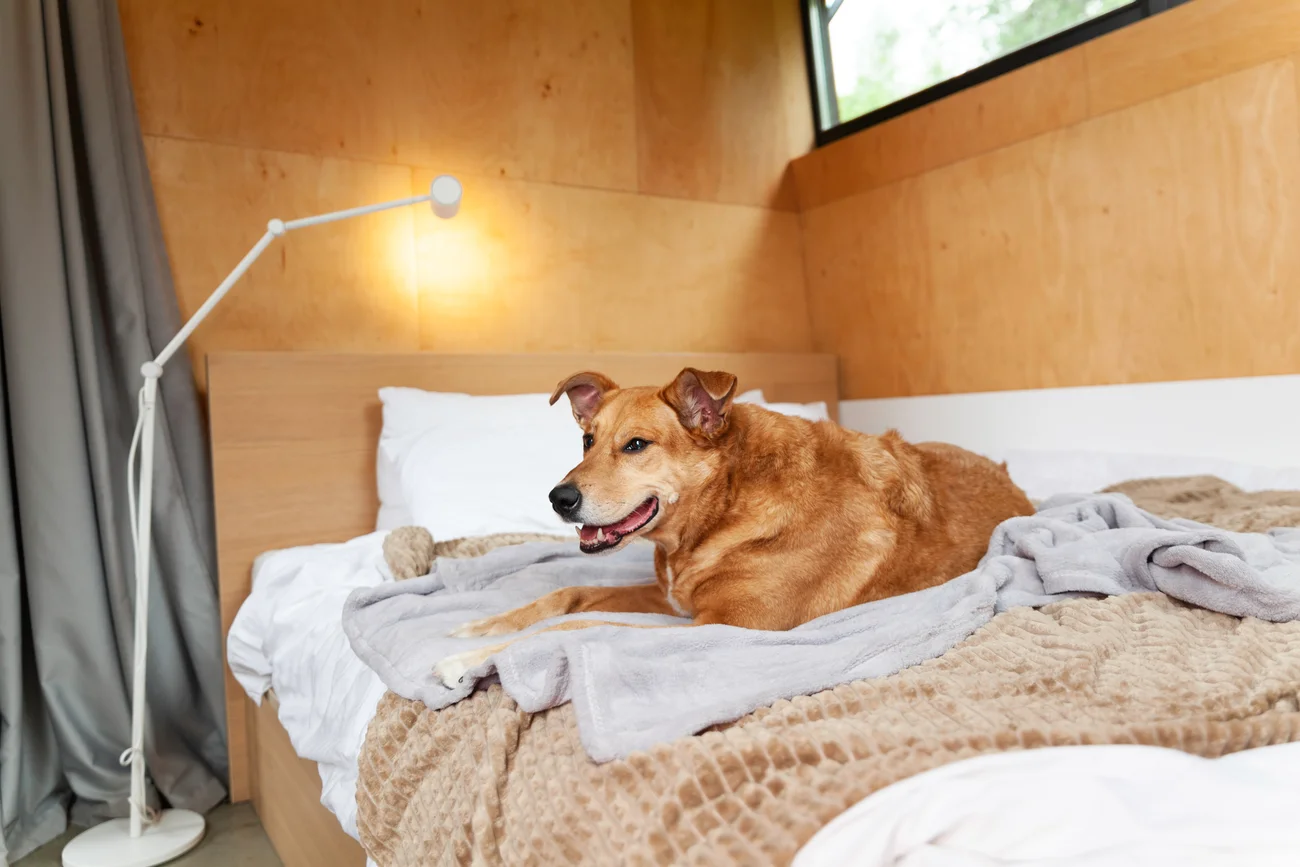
x=149 y=838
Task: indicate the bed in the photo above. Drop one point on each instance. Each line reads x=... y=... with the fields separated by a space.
x=293 y=447
x=481 y=782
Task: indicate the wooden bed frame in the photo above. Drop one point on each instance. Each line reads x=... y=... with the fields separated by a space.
x=294 y=436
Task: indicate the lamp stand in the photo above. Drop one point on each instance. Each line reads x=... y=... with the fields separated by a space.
x=149 y=837
x=135 y=842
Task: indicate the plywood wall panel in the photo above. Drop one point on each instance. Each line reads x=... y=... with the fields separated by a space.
x=348 y=285
x=1154 y=243
x=520 y=88
x=1015 y=107
x=870 y=293
x=796 y=93
x=997 y=252
x=722 y=99
x=534 y=267
x=1185 y=212
x=1192 y=43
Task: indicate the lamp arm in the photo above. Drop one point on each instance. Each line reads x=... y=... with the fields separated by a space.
x=355 y=212
x=274 y=229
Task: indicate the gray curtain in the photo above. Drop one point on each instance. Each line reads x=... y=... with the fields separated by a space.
x=85 y=298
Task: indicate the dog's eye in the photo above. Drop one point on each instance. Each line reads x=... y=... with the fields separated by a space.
x=636 y=444
x=588 y=441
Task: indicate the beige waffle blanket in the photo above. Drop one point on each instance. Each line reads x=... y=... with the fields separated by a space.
x=482 y=782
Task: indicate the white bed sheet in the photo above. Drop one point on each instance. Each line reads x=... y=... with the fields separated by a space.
x=288 y=636
x=1091 y=806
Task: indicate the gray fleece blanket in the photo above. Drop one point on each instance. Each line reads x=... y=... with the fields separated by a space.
x=633 y=688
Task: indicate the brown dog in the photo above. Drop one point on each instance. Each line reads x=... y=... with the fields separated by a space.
x=759 y=520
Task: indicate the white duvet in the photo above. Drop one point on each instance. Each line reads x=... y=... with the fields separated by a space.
x=1095 y=806
x=288 y=636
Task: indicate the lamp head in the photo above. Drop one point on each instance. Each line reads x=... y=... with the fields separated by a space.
x=444 y=195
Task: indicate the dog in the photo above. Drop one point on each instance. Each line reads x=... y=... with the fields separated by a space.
x=759 y=520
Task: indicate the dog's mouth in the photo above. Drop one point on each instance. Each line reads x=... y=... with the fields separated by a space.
x=593 y=539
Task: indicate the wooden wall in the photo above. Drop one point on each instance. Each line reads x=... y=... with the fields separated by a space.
x=625 y=162
x=1127 y=211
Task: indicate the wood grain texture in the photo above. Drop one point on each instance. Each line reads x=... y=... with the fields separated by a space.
x=796 y=93
x=1185 y=46
x=870 y=291
x=520 y=88
x=541 y=268
x=286 y=793
x=292 y=108
x=1032 y=100
x=722 y=99
x=294 y=436
x=348 y=285
x=1154 y=243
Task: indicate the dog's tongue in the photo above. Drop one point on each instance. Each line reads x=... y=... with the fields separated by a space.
x=587 y=532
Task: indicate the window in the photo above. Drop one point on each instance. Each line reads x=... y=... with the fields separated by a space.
x=874 y=59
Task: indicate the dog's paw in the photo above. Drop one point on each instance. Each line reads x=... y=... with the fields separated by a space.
x=451 y=670
x=486 y=627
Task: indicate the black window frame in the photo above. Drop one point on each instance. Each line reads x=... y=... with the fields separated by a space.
x=816 y=19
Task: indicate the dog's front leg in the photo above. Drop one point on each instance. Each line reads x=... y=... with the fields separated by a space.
x=635 y=599
x=451 y=670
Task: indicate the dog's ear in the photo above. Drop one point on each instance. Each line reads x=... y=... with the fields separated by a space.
x=702 y=399
x=586 y=391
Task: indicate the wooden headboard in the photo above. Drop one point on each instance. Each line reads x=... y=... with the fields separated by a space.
x=294 y=436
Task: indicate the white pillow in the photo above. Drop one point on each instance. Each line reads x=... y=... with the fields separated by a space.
x=811 y=411
x=434 y=445
x=473 y=466
x=407 y=412
x=1041 y=474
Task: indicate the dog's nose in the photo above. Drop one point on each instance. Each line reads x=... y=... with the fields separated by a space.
x=565 y=499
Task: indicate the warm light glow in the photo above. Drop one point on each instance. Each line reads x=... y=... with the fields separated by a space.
x=452 y=261
x=399 y=260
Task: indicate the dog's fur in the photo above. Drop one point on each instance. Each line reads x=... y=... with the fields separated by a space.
x=764 y=520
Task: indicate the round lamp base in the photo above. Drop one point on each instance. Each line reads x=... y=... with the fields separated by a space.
x=111 y=844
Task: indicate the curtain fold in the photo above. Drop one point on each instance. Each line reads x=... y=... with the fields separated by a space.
x=85 y=298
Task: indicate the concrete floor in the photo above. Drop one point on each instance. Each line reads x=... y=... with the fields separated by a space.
x=234 y=839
